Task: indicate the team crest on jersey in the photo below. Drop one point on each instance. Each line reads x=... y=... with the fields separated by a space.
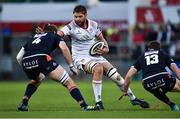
x=54 y=64
x=90 y=30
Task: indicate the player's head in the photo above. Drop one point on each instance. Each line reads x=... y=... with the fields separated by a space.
x=50 y=28
x=154 y=45
x=80 y=14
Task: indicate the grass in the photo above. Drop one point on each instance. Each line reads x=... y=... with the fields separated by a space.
x=53 y=101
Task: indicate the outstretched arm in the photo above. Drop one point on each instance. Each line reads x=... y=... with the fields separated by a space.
x=132 y=71
x=67 y=55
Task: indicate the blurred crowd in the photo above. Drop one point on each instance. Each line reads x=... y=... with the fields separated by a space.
x=168 y=34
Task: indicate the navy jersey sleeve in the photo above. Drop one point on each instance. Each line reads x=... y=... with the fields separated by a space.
x=57 y=39
x=168 y=59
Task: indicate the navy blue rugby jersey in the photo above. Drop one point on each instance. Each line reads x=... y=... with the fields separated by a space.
x=43 y=43
x=153 y=62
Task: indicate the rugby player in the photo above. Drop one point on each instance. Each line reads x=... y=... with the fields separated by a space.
x=156 y=79
x=84 y=33
x=37 y=63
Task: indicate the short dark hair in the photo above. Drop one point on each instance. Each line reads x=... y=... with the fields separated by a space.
x=154 y=45
x=50 y=28
x=80 y=8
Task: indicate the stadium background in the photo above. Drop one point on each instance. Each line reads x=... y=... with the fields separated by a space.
x=126 y=24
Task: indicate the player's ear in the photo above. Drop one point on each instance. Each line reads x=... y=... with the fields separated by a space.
x=85 y=14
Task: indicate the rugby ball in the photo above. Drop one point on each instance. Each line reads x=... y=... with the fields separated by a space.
x=94 y=47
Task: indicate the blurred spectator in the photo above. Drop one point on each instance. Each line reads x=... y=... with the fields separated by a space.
x=0 y=8
x=113 y=33
x=177 y=32
x=162 y=34
x=151 y=34
x=138 y=40
x=7 y=36
x=163 y=37
x=6 y=60
x=138 y=34
x=177 y=51
x=174 y=51
x=0 y=19
x=113 y=37
x=165 y=34
x=154 y=2
x=173 y=2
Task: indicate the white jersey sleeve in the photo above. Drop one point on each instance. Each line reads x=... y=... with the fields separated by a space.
x=98 y=29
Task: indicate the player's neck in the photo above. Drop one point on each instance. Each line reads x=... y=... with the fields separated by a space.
x=85 y=25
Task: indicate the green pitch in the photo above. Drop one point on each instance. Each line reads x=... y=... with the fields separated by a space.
x=53 y=100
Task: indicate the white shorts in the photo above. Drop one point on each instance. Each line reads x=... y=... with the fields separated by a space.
x=82 y=60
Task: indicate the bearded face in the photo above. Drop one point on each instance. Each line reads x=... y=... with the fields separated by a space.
x=80 y=18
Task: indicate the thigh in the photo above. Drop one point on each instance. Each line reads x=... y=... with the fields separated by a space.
x=48 y=66
x=56 y=73
x=176 y=87
x=169 y=83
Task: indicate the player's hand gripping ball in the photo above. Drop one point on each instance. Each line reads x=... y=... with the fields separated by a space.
x=95 y=47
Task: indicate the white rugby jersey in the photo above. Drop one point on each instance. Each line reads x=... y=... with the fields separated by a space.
x=82 y=39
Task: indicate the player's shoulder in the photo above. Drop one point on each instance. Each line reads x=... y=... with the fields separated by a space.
x=71 y=25
x=92 y=23
x=50 y=34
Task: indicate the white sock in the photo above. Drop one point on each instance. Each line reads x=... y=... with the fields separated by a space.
x=97 y=88
x=120 y=84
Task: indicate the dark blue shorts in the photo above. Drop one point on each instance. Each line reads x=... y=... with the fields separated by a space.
x=35 y=64
x=164 y=82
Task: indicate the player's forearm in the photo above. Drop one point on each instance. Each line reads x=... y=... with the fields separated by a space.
x=101 y=38
x=66 y=52
x=127 y=83
x=67 y=56
x=132 y=71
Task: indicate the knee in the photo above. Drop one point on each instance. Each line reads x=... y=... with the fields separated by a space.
x=98 y=69
x=35 y=82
